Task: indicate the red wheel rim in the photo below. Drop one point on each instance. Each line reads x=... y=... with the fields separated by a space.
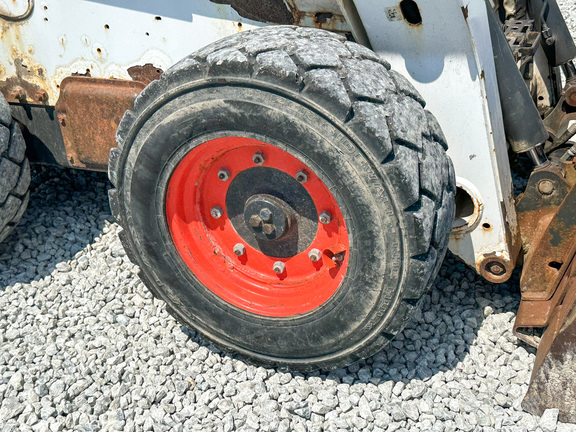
x=206 y=244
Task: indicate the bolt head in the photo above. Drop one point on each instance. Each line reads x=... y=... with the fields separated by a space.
x=18 y=92
x=314 y=255
x=301 y=177
x=223 y=174
x=546 y=187
x=266 y=214
x=325 y=217
x=570 y=95
x=41 y=96
x=496 y=268
x=258 y=158
x=255 y=221
x=268 y=229
x=239 y=249
x=216 y=212
x=279 y=267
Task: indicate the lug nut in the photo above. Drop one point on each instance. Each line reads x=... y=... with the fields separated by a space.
x=223 y=174
x=258 y=158
x=301 y=177
x=279 y=267
x=255 y=221
x=265 y=214
x=314 y=255
x=216 y=212
x=268 y=229
x=239 y=249
x=325 y=217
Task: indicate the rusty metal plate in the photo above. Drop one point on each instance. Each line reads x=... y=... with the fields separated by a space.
x=324 y=14
x=553 y=383
x=547 y=219
x=89 y=111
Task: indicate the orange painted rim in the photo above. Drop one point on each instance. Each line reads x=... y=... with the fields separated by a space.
x=206 y=243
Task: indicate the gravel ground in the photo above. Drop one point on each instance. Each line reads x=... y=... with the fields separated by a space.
x=84 y=346
x=569 y=10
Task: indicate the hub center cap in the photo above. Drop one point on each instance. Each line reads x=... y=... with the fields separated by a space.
x=272 y=211
x=268 y=217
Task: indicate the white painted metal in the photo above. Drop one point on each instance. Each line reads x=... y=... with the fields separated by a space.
x=106 y=37
x=449 y=59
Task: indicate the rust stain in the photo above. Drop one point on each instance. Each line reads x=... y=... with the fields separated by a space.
x=145 y=73
x=28 y=78
x=89 y=111
x=465 y=12
x=288 y=12
x=272 y=11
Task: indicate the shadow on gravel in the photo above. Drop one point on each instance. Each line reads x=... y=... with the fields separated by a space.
x=67 y=210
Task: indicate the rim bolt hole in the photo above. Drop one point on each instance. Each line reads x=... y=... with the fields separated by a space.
x=279 y=267
x=216 y=212
x=301 y=177
x=258 y=158
x=223 y=174
x=325 y=217
x=239 y=249
x=315 y=255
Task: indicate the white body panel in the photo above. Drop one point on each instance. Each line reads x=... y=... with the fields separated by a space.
x=448 y=58
x=75 y=36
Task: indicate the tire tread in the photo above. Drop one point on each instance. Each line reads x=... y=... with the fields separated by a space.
x=14 y=173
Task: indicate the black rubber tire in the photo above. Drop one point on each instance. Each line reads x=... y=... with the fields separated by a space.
x=14 y=172
x=382 y=155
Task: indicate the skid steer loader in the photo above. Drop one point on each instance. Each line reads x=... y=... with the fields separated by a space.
x=289 y=174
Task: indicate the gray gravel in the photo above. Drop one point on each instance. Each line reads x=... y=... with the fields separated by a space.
x=84 y=346
x=569 y=11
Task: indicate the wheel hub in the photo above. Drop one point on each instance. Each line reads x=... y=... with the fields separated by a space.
x=272 y=211
x=269 y=217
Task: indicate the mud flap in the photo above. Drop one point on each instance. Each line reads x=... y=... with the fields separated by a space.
x=553 y=382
